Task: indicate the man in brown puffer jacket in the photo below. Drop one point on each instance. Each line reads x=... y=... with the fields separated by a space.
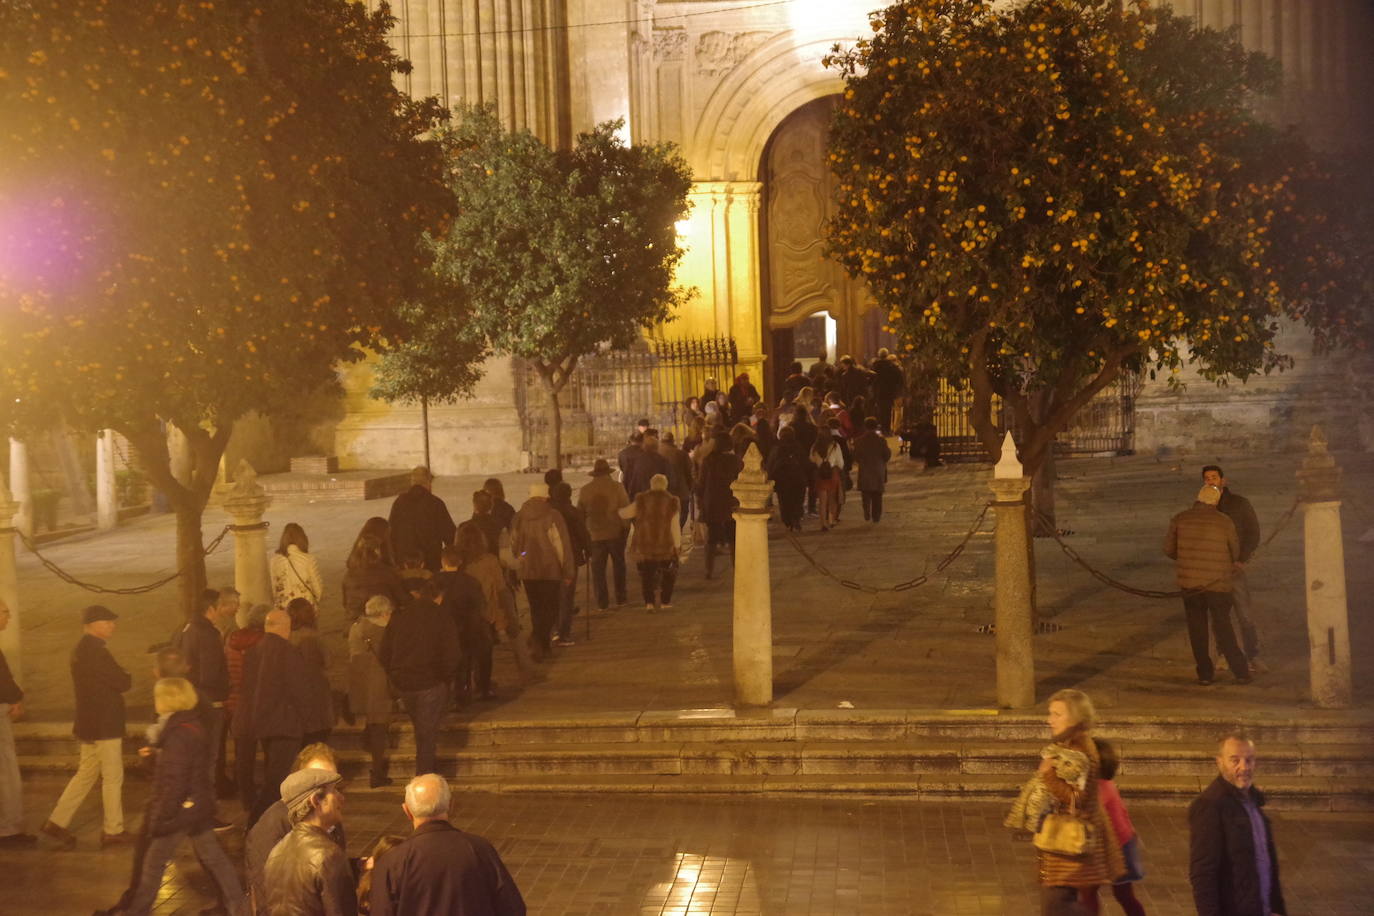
x=1205 y=547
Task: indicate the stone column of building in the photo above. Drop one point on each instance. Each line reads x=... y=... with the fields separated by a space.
x=246 y=501
x=19 y=486
x=722 y=263
x=753 y=610
x=1328 y=627
x=9 y=580
x=1015 y=655
x=106 y=493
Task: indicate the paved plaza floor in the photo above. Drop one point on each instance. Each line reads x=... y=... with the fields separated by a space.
x=608 y=856
x=833 y=646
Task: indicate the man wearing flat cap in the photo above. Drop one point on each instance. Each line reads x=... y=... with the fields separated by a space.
x=307 y=872
x=100 y=685
x=1204 y=546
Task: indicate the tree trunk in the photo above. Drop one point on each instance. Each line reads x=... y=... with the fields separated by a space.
x=188 y=499
x=1043 y=475
x=557 y=427
x=424 y=422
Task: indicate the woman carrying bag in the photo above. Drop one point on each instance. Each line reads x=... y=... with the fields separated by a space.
x=1060 y=806
x=295 y=573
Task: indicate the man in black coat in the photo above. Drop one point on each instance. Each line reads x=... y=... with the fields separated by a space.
x=272 y=704
x=1239 y=510
x=100 y=686
x=439 y=868
x=643 y=465
x=887 y=387
x=206 y=668
x=420 y=522
x=1232 y=865
x=420 y=653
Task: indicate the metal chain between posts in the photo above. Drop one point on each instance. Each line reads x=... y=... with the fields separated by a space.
x=1149 y=592
x=101 y=589
x=900 y=586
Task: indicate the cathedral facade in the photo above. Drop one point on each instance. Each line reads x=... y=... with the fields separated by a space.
x=740 y=87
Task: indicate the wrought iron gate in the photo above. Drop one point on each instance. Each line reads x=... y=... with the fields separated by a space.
x=1104 y=426
x=610 y=391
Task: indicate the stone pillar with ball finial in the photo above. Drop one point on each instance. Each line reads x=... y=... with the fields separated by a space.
x=1014 y=620
x=753 y=617
x=246 y=501
x=1328 y=624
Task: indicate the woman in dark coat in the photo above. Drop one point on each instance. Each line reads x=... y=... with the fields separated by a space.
x=181 y=804
x=305 y=635
x=369 y=692
x=742 y=398
x=790 y=472
x=369 y=573
x=872 y=453
x=715 y=501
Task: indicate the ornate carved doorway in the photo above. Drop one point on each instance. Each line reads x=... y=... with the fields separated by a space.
x=812 y=308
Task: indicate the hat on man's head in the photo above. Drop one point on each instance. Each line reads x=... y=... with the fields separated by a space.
x=298 y=788
x=97 y=612
x=1209 y=495
x=601 y=468
x=539 y=491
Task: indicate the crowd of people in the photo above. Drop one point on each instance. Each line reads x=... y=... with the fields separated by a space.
x=429 y=601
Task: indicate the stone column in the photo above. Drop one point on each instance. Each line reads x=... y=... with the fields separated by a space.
x=246 y=501
x=106 y=493
x=9 y=581
x=753 y=623
x=1328 y=628
x=19 y=487
x=1015 y=658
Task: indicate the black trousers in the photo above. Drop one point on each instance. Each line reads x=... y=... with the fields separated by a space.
x=1200 y=606
x=656 y=578
x=614 y=550
x=544 y=595
x=279 y=754
x=873 y=504
x=791 y=498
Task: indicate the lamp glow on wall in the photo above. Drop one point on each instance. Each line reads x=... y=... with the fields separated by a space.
x=837 y=19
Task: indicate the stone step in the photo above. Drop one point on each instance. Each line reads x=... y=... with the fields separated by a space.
x=785 y=726
x=315 y=464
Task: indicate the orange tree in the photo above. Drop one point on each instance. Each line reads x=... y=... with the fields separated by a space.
x=204 y=206
x=1044 y=196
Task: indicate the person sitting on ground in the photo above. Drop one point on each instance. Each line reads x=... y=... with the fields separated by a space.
x=275 y=823
x=439 y=868
x=307 y=872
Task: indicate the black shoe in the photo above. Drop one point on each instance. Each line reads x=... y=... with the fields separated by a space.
x=379 y=782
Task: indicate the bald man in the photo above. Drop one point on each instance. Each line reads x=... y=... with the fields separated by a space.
x=441 y=869
x=272 y=705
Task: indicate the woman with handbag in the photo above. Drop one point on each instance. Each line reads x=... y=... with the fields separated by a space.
x=1078 y=848
x=295 y=573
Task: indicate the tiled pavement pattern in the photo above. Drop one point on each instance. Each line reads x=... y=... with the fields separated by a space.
x=907 y=650
x=607 y=856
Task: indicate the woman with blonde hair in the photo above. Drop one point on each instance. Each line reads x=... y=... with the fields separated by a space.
x=181 y=804
x=1066 y=784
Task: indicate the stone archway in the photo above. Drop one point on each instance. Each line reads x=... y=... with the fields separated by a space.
x=799 y=282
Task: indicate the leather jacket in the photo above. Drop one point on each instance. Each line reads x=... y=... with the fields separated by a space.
x=307 y=874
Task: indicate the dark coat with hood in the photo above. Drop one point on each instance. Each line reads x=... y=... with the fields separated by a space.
x=182 y=774
x=1221 y=854
x=100 y=684
x=441 y=869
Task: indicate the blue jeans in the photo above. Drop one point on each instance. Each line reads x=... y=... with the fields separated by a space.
x=426 y=709
x=212 y=858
